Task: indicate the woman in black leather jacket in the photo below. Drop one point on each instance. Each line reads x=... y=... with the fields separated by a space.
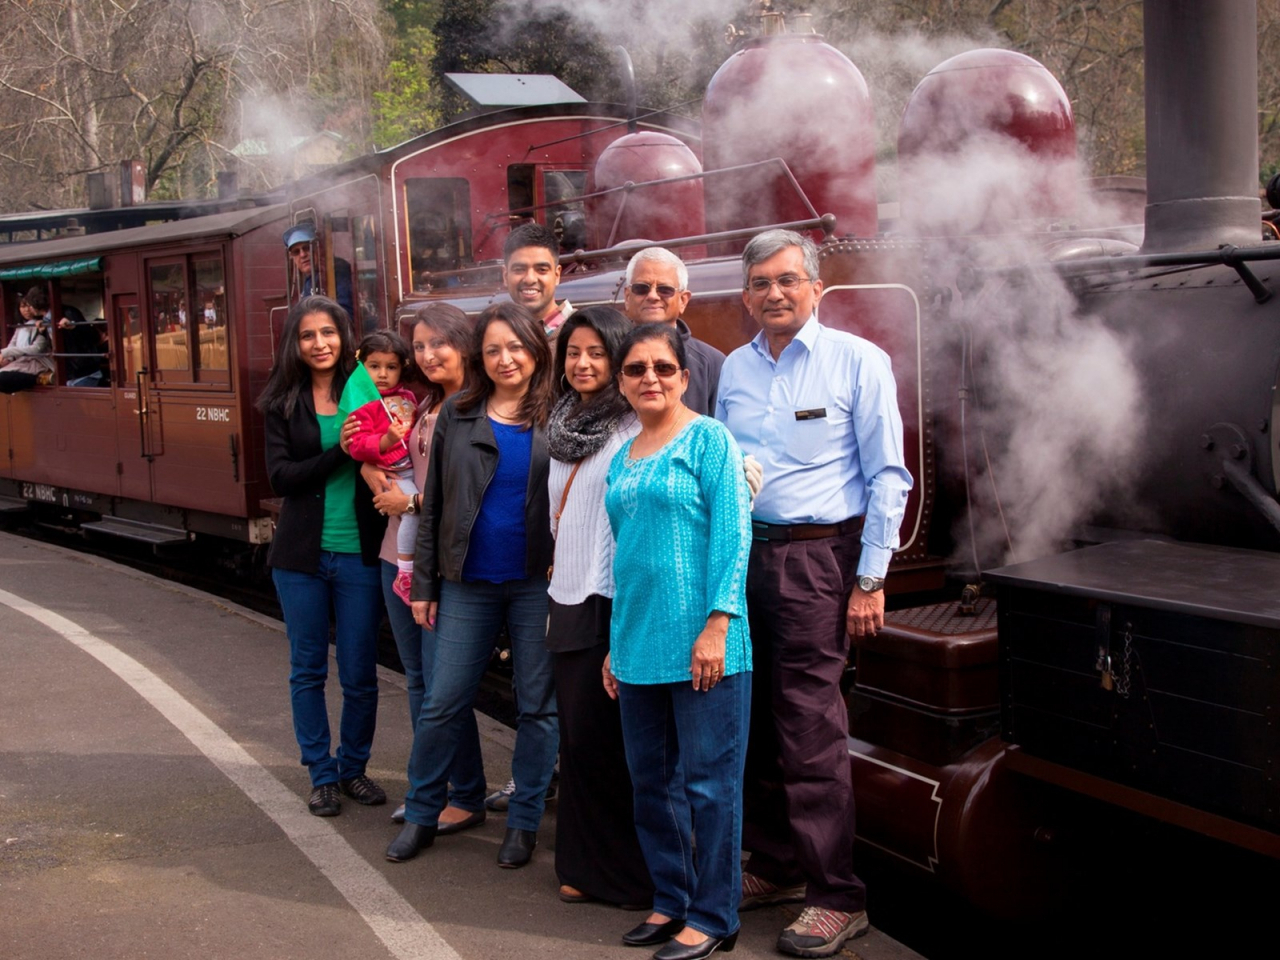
x=484 y=546
x=324 y=552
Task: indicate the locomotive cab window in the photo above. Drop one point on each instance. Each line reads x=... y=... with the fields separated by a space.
x=438 y=224
x=187 y=310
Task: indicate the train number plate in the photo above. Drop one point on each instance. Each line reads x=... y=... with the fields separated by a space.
x=214 y=414
x=40 y=491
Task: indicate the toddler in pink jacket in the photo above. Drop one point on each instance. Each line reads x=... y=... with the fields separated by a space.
x=384 y=423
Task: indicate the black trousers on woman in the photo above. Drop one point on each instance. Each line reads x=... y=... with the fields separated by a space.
x=596 y=847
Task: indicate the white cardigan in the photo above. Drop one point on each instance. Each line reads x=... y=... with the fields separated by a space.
x=584 y=541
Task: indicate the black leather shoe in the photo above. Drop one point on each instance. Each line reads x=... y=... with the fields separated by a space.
x=517 y=848
x=675 y=950
x=411 y=838
x=650 y=934
x=474 y=820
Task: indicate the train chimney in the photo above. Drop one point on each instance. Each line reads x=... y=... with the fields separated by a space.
x=1202 y=133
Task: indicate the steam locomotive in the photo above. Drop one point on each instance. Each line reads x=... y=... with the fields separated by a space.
x=1089 y=401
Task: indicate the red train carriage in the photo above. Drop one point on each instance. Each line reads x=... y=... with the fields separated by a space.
x=167 y=446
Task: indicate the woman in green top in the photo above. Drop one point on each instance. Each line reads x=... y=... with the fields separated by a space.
x=325 y=551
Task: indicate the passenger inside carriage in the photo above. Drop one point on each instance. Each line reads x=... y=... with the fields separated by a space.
x=28 y=354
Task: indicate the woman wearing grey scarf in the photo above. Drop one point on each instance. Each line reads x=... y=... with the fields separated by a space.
x=597 y=855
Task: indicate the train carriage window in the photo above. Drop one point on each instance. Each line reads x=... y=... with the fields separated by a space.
x=170 y=316
x=211 y=313
x=438 y=224
x=189 y=323
x=366 y=293
x=131 y=339
x=564 y=212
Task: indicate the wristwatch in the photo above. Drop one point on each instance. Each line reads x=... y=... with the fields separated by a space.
x=870 y=584
x=413 y=505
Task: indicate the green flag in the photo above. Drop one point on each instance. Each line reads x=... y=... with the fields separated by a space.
x=358 y=391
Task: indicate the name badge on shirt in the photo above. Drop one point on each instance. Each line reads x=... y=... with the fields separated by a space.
x=817 y=413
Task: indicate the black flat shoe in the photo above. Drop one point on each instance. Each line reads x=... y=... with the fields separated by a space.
x=412 y=838
x=675 y=950
x=650 y=934
x=473 y=820
x=517 y=848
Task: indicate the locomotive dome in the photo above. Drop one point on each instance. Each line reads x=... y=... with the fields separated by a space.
x=675 y=210
x=795 y=97
x=996 y=94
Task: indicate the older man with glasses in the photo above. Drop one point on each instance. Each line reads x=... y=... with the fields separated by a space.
x=657 y=291
x=819 y=408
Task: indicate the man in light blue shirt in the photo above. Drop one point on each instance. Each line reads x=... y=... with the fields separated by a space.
x=818 y=408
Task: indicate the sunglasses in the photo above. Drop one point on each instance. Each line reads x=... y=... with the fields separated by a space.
x=663 y=368
x=665 y=291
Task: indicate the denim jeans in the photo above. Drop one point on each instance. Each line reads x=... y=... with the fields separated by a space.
x=417 y=649
x=686 y=750
x=344 y=582
x=468 y=621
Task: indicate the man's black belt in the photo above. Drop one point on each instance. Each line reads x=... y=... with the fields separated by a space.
x=804 y=531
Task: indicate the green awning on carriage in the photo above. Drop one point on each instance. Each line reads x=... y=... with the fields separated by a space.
x=43 y=271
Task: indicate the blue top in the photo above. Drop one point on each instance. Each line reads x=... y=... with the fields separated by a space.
x=683 y=526
x=823 y=421
x=496 y=548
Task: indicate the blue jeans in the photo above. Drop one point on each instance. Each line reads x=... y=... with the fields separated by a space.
x=352 y=588
x=418 y=653
x=686 y=751
x=468 y=621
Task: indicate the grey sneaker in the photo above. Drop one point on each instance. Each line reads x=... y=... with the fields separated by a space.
x=499 y=800
x=758 y=892
x=819 y=932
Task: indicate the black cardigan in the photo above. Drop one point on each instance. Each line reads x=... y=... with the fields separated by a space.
x=298 y=468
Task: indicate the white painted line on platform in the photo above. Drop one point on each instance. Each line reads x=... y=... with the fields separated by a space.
x=401 y=928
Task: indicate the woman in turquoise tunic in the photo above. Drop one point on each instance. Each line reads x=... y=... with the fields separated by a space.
x=680 y=663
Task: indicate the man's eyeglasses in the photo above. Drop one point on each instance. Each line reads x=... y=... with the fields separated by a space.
x=665 y=290
x=664 y=369
x=786 y=283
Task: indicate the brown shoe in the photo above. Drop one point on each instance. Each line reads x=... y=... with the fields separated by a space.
x=757 y=892
x=819 y=932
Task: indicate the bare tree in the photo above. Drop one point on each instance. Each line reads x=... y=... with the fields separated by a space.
x=87 y=83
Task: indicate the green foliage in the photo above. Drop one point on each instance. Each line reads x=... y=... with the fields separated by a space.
x=408 y=104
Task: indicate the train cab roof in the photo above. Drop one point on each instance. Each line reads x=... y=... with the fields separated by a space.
x=612 y=113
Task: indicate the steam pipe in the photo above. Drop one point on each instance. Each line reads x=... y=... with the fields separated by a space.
x=1252 y=491
x=629 y=87
x=1201 y=124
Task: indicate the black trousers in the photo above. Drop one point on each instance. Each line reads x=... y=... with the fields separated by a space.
x=596 y=846
x=11 y=381
x=798 y=812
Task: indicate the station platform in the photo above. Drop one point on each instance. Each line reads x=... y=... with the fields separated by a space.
x=152 y=805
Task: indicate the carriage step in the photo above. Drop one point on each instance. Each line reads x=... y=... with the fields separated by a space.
x=12 y=505
x=134 y=530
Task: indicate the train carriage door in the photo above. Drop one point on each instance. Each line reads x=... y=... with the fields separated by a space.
x=135 y=422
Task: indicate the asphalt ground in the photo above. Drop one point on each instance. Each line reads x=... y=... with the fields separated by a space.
x=152 y=805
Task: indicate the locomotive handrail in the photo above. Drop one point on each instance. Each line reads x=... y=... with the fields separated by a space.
x=826 y=223
x=631 y=186
x=1228 y=255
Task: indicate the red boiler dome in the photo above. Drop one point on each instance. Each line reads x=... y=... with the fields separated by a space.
x=796 y=97
x=648 y=213
x=1008 y=114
